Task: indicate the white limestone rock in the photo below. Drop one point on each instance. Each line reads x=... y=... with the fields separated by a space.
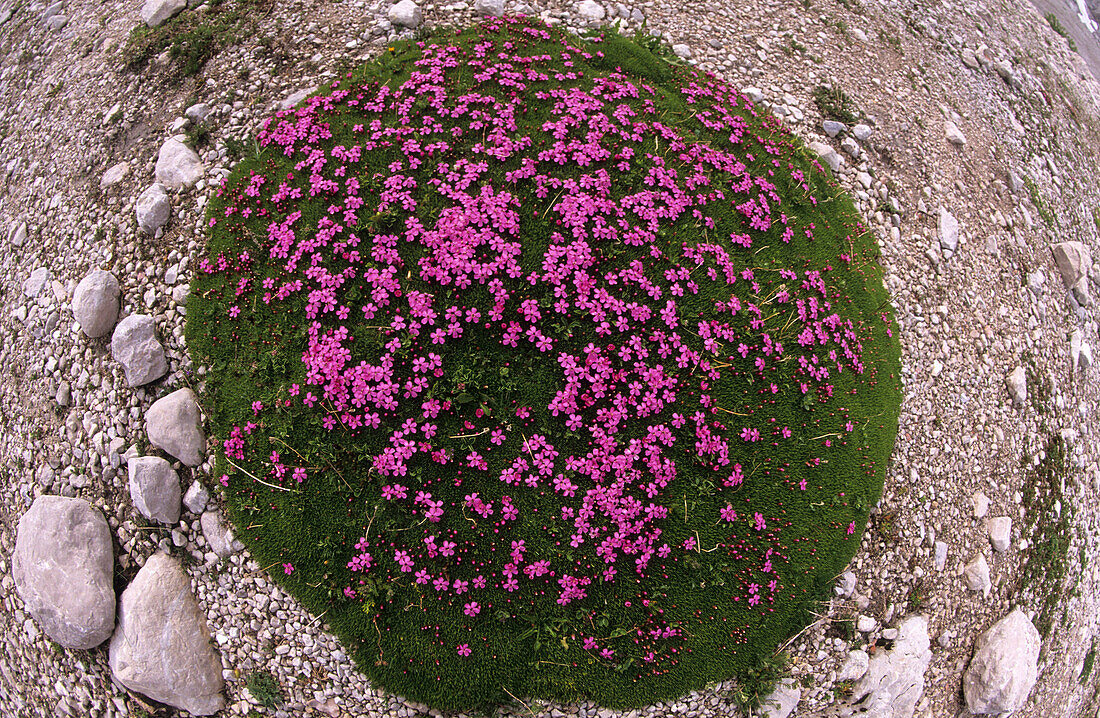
x=95 y=303
x=162 y=647
x=174 y=425
x=155 y=489
x=1004 y=667
x=894 y=681
x=177 y=165
x=63 y=567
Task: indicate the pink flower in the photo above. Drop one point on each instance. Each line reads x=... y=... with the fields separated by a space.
x=471 y=609
x=463 y=649
x=288 y=568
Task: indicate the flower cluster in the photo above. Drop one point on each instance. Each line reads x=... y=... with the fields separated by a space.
x=580 y=346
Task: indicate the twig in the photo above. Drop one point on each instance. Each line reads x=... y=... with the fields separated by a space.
x=470 y=436
x=518 y=700
x=317 y=619
x=254 y=477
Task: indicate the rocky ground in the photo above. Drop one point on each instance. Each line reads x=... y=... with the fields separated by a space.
x=976 y=154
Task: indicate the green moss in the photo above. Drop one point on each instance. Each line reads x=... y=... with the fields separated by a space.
x=191 y=38
x=265 y=689
x=404 y=635
x=1086 y=666
x=835 y=104
x=1052 y=530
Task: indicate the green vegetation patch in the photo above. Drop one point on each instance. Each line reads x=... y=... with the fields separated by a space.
x=1058 y=27
x=543 y=367
x=835 y=104
x=194 y=36
x=1049 y=519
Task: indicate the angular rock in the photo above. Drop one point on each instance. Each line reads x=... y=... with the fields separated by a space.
x=1074 y=261
x=591 y=11
x=681 y=51
x=953 y=133
x=855 y=666
x=162 y=646
x=196 y=497
x=976 y=575
x=980 y=502
x=1000 y=532
x=95 y=303
x=406 y=14
x=1004 y=667
x=948 y=228
x=782 y=701
x=845 y=585
x=969 y=59
x=833 y=128
x=490 y=8
x=153 y=208
x=940 y=558
x=218 y=535
x=754 y=94
x=292 y=100
x=34 y=284
x=134 y=345
x=113 y=176
x=177 y=165
x=174 y=425
x=63 y=566
x=894 y=681
x=862 y=132
x=155 y=489
x=828 y=155
x=1016 y=382
x=156 y=12
x=1080 y=351
x=198 y=112
x=17 y=236
x=851 y=147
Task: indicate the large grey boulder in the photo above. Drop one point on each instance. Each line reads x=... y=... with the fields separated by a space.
x=162 y=647
x=95 y=303
x=156 y=12
x=894 y=681
x=134 y=345
x=153 y=208
x=178 y=165
x=63 y=569
x=406 y=14
x=174 y=424
x=1004 y=667
x=155 y=489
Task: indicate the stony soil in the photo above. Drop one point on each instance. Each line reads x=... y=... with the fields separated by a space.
x=68 y=418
